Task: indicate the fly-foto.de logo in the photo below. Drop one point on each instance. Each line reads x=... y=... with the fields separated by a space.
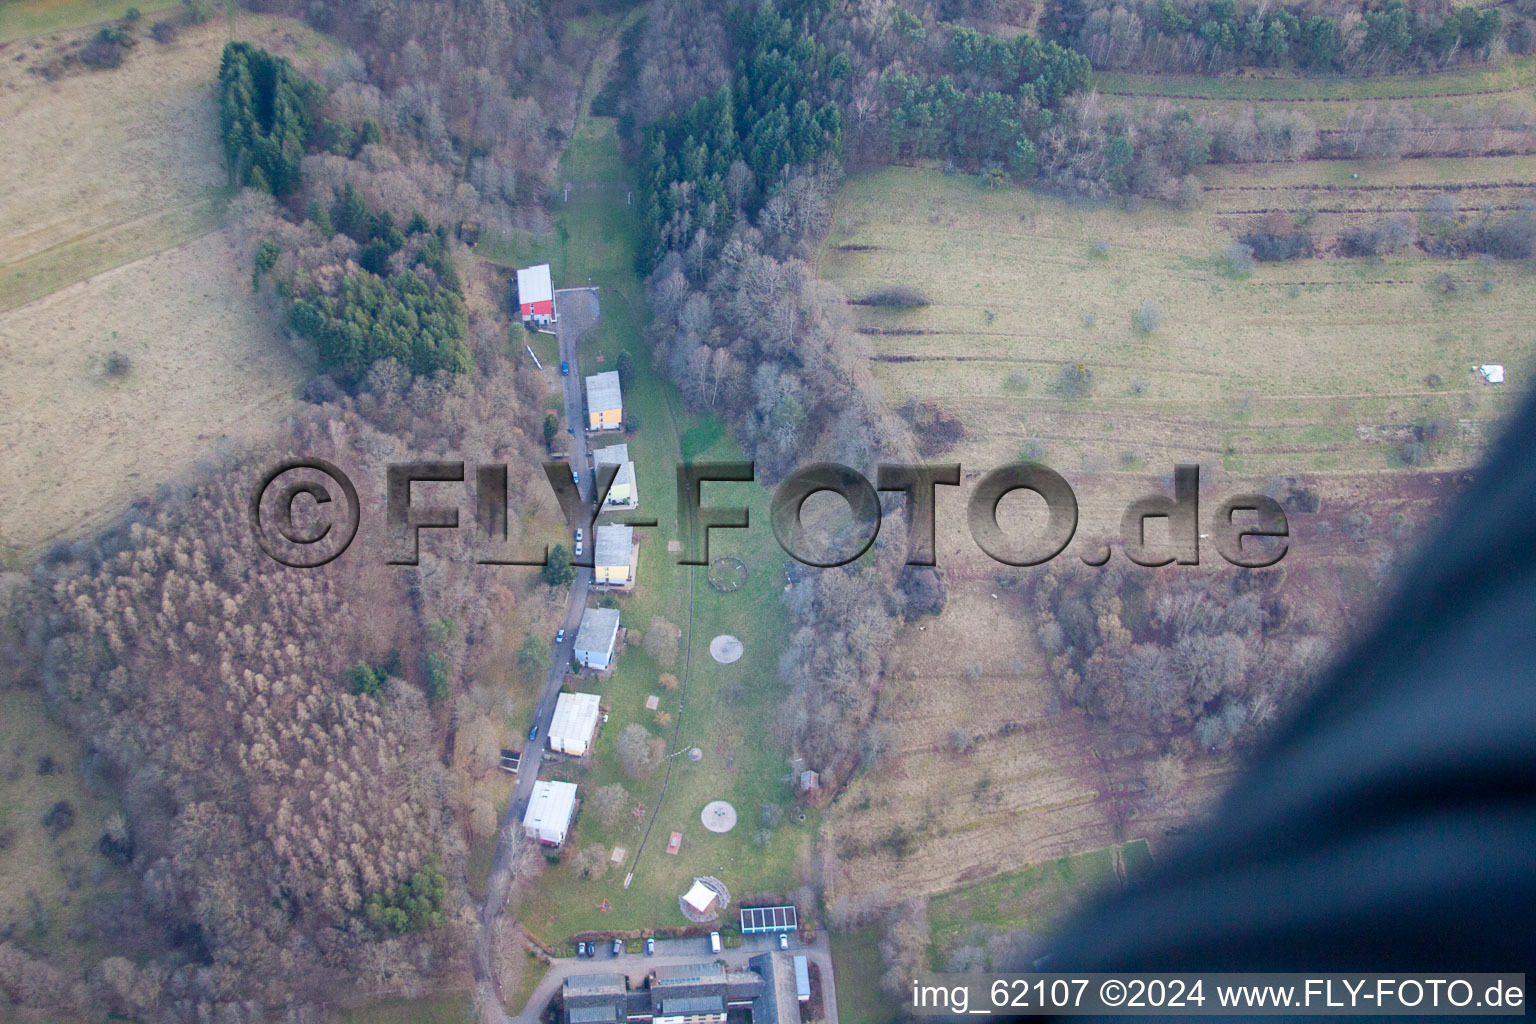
x=305 y=513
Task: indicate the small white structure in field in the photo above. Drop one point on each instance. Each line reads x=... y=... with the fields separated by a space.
x=701 y=898
x=550 y=809
x=1493 y=373
x=574 y=722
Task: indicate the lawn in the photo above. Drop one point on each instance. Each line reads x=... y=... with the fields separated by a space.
x=856 y=959
x=1036 y=897
x=730 y=710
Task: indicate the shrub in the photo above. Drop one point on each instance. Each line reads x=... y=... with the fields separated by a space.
x=1149 y=317
x=163 y=32
x=413 y=905
x=118 y=364
x=1414 y=453
x=1381 y=238
x=105 y=50
x=132 y=14
x=195 y=12
x=1076 y=380
x=1276 y=237
x=898 y=296
x=364 y=680
x=59 y=817
x=1239 y=259
x=435 y=668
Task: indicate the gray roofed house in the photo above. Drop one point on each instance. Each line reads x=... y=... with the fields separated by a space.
x=611 y=549
x=595 y=637
x=605 y=401
x=623 y=493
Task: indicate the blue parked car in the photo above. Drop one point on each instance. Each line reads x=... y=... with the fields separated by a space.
x=533 y=733
x=565 y=368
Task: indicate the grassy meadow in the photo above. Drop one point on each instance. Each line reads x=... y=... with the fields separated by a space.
x=1252 y=86
x=1312 y=365
x=133 y=261
x=20 y=19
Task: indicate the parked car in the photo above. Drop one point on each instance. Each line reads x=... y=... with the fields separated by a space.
x=650 y=947
x=581 y=949
x=578 y=542
x=783 y=940
x=591 y=949
x=565 y=368
x=714 y=942
x=533 y=733
x=575 y=478
x=560 y=633
x=618 y=947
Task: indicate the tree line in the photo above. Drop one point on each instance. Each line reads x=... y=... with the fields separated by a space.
x=267 y=117
x=726 y=152
x=984 y=101
x=1212 y=35
x=395 y=293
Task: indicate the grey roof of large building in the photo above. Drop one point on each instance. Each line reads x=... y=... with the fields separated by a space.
x=603 y=392
x=742 y=986
x=606 y=1012
x=692 y=1004
x=584 y=986
x=598 y=628
x=612 y=544
x=689 y=974
x=777 y=1003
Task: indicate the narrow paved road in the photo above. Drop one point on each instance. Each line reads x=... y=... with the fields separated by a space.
x=578 y=309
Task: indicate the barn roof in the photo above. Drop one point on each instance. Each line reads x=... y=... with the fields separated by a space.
x=533 y=284
x=603 y=392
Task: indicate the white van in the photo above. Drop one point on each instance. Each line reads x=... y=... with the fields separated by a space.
x=714 y=942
